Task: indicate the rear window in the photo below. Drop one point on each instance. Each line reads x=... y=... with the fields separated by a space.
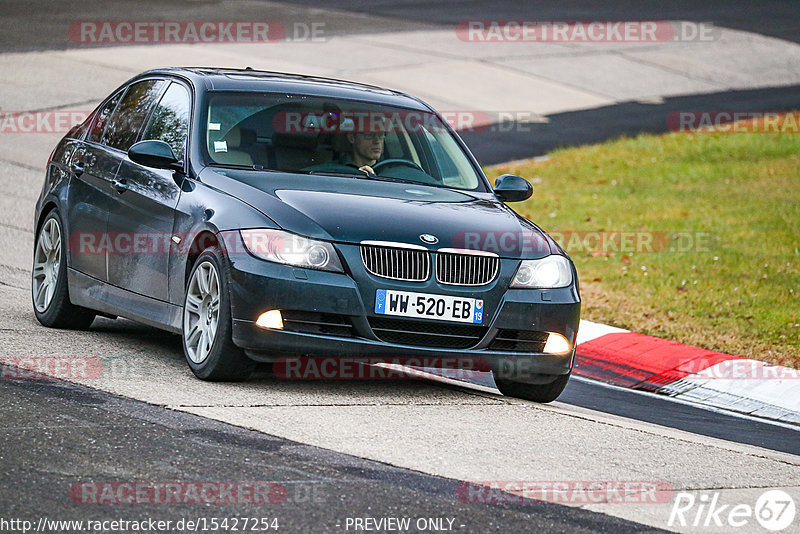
x=101 y=119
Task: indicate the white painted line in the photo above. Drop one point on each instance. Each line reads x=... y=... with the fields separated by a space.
x=588 y=331
x=743 y=385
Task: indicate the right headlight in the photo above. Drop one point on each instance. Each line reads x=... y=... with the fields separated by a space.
x=546 y=273
x=291 y=249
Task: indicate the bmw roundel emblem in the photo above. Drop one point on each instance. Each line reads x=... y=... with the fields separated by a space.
x=428 y=238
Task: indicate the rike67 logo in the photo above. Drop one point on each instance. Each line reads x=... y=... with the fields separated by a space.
x=774 y=510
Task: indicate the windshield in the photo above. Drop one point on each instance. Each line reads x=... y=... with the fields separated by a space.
x=327 y=136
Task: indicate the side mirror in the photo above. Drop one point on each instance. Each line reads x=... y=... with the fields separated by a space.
x=512 y=188
x=156 y=154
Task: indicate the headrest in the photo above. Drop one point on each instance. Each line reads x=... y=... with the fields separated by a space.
x=307 y=141
x=238 y=136
x=234 y=137
x=339 y=143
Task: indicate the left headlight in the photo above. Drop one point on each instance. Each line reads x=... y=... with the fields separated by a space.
x=548 y=272
x=290 y=249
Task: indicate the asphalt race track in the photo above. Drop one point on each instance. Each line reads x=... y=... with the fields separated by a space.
x=340 y=450
x=322 y=488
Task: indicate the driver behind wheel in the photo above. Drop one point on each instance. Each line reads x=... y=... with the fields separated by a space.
x=365 y=149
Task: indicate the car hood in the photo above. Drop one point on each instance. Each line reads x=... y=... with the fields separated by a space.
x=351 y=210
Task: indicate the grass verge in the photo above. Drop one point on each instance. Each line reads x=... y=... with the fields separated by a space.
x=693 y=237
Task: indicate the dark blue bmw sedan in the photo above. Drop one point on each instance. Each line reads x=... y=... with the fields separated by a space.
x=270 y=217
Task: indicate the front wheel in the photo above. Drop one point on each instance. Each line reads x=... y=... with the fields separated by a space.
x=207 y=325
x=49 y=290
x=533 y=392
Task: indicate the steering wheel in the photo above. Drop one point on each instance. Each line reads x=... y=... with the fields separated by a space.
x=396 y=162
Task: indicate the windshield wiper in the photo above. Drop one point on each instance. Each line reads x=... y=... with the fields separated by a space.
x=262 y=168
x=399 y=180
x=359 y=174
x=238 y=166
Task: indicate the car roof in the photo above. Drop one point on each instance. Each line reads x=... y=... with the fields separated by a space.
x=225 y=79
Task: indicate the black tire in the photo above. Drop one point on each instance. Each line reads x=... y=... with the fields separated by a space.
x=224 y=362
x=533 y=392
x=59 y=312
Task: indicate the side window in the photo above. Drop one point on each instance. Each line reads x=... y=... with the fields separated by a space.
x=447 y=167
x=126 y=122
x=170 y=120
x=101 y=118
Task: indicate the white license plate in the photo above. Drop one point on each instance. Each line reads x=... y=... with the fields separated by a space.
x=428 y=306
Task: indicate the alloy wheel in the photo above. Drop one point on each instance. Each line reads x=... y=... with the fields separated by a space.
x=201 y=312
x=46 y=264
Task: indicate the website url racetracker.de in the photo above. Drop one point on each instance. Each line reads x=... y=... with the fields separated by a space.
x=199 y=524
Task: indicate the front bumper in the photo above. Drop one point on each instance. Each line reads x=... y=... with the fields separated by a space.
x=258 y=286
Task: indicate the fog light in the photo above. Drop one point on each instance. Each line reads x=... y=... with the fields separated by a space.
x=556 y=344
x=273 y=319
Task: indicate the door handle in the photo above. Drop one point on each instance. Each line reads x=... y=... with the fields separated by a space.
x=77 y=167
x=120 y=185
